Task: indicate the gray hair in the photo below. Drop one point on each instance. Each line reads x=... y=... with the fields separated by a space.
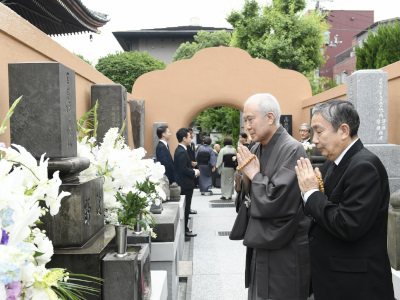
x=266 y=104
x=307 y=125
x=338 y=112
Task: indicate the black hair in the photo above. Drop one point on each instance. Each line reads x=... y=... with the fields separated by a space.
x=228 y=141
x=161 y=130
x=243 y=135
x=181 y=133
x=207 y=140
x=338 y=112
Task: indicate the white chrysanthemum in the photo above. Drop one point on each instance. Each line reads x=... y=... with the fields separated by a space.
x=45 y=246
x=161 y=192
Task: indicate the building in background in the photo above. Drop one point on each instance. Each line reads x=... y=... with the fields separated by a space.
x=161 y=43
x=345 y=24
x=345 y=62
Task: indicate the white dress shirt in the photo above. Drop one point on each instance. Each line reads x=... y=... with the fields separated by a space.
x=337 y=162
x=165 y=143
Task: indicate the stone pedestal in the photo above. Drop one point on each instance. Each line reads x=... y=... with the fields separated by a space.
x=138 y=121
x=121 y=276
x=112 y=110
x=389 y=154
x=80 y=217
x=181 y=205
x=165 y=249
x=144 y=283
x=44 y=121
x=394 y=231
x=155 y=137
x=88 y=259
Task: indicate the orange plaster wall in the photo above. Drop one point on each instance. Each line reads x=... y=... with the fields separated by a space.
x=219 y=76
x=339 y=92
x=22 y=42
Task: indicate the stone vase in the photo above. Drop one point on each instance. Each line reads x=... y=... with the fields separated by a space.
x=137 y=229
x=121 y=239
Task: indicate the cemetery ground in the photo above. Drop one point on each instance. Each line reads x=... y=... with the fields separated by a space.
x=214 y=265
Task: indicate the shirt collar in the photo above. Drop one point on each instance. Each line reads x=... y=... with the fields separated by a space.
x=183 y=146
x=339 y=159
x=164 y=142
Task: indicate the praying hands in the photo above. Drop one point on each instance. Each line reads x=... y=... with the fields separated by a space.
x=306 y=176
x=248 y=162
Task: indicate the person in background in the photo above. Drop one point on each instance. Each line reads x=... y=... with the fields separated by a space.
x=226 y=164
x=216 y=177
x=206 y=161
x=243 y=139
x=305 y=133
x=163 y=154
x=185 y=174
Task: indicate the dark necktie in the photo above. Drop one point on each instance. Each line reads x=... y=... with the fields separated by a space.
x=331 y=169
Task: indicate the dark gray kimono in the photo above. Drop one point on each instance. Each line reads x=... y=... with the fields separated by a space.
x=277 y=227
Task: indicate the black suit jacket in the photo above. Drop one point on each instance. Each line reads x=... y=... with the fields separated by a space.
x=184 y=173
x=164 y=157
x=348 y=238
x=191 y=152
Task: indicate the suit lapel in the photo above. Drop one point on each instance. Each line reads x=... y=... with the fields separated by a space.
x=341 y=168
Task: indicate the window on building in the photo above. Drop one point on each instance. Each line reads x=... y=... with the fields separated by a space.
x=327 y=35
x=343 y=79
x=337 y=77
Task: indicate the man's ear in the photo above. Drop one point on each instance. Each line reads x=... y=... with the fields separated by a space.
x=270 y=117
x=344 y=131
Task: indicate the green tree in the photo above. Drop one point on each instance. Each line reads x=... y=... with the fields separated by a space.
x=281 y=33
x=319 y=84
x=84 y=59
x=223 y=119
x=380 y=49
x=203 y=39
x=125 y=67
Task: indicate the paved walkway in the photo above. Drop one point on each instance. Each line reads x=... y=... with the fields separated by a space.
x=218 y=262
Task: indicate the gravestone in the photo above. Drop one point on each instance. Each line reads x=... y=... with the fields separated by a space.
x=138 y=121
x=286 y=121
x=121 y=276
x=44 y=121
x=394 y=231
x=112 y=110
x=155 y=137
x=368 y=91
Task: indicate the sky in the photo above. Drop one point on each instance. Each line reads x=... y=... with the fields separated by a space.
x=138 y=14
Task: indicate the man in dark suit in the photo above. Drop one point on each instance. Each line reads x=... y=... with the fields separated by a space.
x=184 y=173
x=162 y=152
x=348 y=235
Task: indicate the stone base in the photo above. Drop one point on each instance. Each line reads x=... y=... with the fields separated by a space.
x=120 y=276
x=396 y=283
x=80 y=217
x=156 y=209
x=181 y=243
x=389 y=154
x=166 y=224
x=394 y=238
x=143 y=259
x=88 y=259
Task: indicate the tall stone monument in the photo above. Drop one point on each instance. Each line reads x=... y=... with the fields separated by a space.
x=112 y=109
x=368 y=91
x=138 y=121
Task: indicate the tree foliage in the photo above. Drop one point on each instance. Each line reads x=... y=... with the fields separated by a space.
x=203 y=39
x=380 y=49
x=280 y=33
x=125 y=67
x=225 y=120
x=319 y=84
x=84 y=59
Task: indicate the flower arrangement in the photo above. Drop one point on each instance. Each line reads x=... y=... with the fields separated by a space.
x=308 y=146
x=130 y=182
x=25 y=249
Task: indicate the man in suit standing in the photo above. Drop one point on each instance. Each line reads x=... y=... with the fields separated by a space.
x=184 y=173
x=162 y=152
x=348 y=235
x=305 y=132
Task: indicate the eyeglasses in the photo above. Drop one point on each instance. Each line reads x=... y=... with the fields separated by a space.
x=303 y=130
